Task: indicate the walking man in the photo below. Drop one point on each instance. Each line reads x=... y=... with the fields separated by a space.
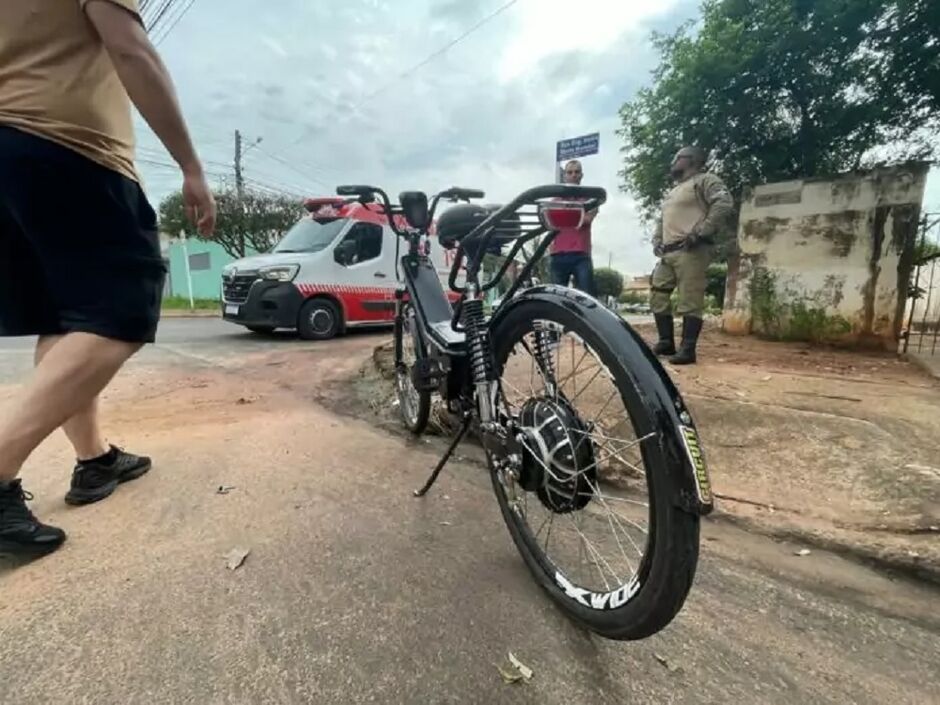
x=571 y=248
x=693 y=212
x=80 y=262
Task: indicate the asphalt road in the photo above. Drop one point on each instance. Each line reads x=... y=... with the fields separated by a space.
x=356 y=592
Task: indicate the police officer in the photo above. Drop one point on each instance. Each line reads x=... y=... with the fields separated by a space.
x=692 y=214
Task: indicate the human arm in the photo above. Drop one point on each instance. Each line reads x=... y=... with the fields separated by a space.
x=150 y=88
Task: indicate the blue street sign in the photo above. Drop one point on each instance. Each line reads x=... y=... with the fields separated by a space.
x=577 y=147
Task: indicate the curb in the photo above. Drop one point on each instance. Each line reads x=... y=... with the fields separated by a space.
x=174 y=313
x=908 y=566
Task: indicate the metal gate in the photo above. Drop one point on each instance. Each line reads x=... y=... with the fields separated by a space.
x=922 y=333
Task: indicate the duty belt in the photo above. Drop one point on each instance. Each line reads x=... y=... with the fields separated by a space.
x=674 y=246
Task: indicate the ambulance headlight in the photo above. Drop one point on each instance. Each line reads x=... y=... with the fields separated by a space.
x=279 y=273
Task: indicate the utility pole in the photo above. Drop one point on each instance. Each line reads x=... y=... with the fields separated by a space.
x=240 y=179
x=239 y=187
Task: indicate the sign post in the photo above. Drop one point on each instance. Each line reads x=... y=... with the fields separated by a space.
x=189 y=276
x=574 y=148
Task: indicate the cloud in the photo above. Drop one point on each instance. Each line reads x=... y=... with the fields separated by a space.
x=323 y=84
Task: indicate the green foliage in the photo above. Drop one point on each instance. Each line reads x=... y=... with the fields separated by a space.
x=717 y=277
x=926 y=251
x=780 y=89
x=796 y=320
x=255 y=222
x=180 y=303
x=608 y=282
x=634 y=297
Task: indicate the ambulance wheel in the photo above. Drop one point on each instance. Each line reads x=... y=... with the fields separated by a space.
x=319 y=319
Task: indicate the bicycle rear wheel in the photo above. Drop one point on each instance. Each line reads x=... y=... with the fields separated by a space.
x=589 y=506
x=413 y=403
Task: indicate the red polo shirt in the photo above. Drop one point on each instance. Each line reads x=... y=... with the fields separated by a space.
x=572 y=240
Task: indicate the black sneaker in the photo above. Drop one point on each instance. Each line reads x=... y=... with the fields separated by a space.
x=21 y=534
x=93 y=480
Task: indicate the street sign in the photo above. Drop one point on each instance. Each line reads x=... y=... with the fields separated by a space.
x=577 y=147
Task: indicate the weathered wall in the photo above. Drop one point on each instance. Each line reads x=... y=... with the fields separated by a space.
x=826 y=260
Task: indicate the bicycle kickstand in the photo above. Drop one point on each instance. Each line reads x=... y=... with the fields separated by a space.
x=443 y=461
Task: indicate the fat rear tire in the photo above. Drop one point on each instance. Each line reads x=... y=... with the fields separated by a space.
x=668 y=566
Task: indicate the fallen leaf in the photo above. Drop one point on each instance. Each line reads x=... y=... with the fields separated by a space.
x=235 y=558
x=665 y=662
x=508 y=676
x=445 y=523
x=242 y=400
x=766 y=378
x=523 y=670
x=225 y=489
x=741 y=394
x=802 y=552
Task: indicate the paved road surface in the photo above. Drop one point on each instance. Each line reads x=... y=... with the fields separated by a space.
x=355 y=592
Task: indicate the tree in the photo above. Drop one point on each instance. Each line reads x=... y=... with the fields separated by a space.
x=608 y=282
x=781 y=89
x=255 y=222
x=717 y=275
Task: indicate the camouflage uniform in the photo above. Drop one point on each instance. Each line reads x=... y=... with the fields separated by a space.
x=693 y=213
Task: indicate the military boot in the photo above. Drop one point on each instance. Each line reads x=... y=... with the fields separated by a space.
x=691 y=327
x=667 y=339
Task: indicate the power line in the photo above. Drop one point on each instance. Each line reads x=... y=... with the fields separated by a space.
x=290 y=166
x=428 y=59
x=174 y=21
x=157 y=15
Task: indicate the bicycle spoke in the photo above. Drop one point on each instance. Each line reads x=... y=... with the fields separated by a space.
x=601 y=534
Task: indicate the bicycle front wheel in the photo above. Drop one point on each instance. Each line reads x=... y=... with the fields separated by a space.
x=413 y=403
x=589 y=506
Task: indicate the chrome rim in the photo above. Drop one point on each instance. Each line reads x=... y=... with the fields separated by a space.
x=321 y=320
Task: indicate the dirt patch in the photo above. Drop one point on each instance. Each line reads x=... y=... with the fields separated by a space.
x=835 y=448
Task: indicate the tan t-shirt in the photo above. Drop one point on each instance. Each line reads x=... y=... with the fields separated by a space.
x=682 y=211
x=57 y=81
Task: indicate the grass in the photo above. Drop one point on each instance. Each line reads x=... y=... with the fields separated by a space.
x=181 y=303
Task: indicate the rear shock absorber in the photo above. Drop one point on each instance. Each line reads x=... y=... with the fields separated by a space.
x=546 y=342
x=481 y=358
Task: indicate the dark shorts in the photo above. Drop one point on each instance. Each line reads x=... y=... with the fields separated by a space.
x=79 y=250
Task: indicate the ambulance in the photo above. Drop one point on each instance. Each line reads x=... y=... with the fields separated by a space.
x=337 y=268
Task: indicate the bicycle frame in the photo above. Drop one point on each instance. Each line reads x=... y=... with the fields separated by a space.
x=458 y=357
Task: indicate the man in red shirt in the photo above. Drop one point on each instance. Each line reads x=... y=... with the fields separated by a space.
x=571 y=249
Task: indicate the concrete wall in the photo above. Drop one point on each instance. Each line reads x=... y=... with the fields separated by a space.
x=827 y=260
x=207 y=281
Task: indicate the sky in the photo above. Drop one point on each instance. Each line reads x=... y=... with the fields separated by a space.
x=367 y=91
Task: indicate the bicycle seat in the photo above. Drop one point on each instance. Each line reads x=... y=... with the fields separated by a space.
x=457 y=222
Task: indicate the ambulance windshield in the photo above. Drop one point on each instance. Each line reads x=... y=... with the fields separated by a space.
x=309 y=235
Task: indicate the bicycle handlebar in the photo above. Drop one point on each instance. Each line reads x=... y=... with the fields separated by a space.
x=480 y=236
x=368 y=193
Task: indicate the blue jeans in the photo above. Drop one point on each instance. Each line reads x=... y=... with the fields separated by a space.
x=578 y=265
